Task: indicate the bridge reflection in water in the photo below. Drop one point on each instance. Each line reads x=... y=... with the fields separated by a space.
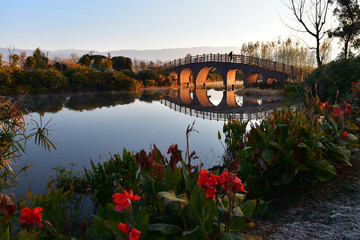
x=197 y=103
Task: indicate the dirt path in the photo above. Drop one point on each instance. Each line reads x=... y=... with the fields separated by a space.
x=328 y=211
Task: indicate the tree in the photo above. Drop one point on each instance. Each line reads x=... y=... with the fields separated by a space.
x=348 y=31
x=121 y=63
x=14 y=60
x=11 y=51
x=312 y=16
x=74 y=57
x=22 y=59
x=142 y=66
x=98 y=62
x=31 y=62
x=107 y=64
x=41 y=61
x=85 y=60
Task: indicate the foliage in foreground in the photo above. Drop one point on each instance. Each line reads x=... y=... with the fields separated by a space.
x=292 y=147
x=13 y=139
x=159 y=198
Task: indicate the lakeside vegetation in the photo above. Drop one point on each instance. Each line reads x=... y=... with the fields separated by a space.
x=35 y=75
x=151 y=195
x=157 y=196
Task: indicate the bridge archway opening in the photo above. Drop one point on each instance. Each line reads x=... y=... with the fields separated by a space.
x=260 y=78
x=186 y=77
x=235 y=77
x=252 y=78
x=215 y=96
x=271 y=80
x=185 y=95
x=214 y=76
x=202 y=76
x=239 y=100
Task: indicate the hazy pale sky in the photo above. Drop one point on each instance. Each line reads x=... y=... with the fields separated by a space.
x=139 y=24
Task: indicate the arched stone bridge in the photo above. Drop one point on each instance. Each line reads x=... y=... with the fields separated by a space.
x=200 y=66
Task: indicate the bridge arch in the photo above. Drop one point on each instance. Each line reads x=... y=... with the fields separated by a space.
x=185 y=75
x=252 y=77
x=202 y=75
x=184 y=95
x=231 y=76
x=271 y=80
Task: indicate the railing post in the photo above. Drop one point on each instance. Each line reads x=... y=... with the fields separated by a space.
x=197 y=58
x=179 y=61
x=210 y=57
x=204 y=57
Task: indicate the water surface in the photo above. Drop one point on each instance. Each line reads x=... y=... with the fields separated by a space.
x=93 y=125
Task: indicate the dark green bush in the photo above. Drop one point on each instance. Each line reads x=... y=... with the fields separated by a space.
x=335 y=76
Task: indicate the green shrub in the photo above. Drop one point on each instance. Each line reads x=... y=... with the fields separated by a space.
x=104 y=179
x=335 y=76
x=295 y=146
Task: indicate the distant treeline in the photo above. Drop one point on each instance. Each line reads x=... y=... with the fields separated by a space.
x=90 y=73
x=285 y=51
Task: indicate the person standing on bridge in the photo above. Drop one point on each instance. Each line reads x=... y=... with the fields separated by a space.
x=231 y=56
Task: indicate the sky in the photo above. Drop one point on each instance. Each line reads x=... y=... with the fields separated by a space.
x=139 y=24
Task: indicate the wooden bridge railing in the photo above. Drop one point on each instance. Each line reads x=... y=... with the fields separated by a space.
x=264 y=63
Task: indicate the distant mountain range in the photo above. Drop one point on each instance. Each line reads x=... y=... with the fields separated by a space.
x=146 y=55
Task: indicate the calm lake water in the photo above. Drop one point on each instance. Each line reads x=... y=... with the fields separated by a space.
x=93 y=125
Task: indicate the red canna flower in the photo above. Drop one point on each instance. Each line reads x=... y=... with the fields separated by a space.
x=208 y=182
x=123 y=200
x=338 y=111
x=231 y=183
x=132 y=197
x=134 y=234
x=31 y=216
x=211 y=193
x=345 y=135
x=123 y=227
x=325 y=104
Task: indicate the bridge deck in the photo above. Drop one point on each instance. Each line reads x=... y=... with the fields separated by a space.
x=292 y=71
